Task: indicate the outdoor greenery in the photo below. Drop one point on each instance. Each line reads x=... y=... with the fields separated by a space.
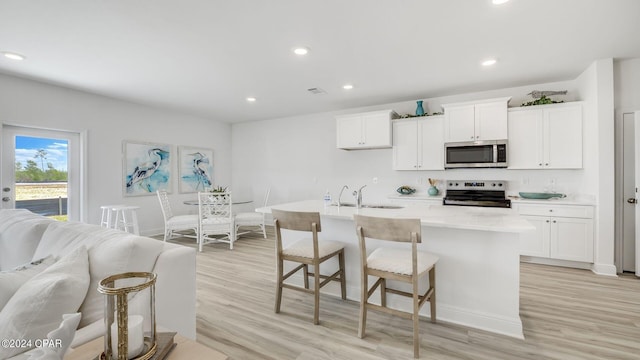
x=33 y=173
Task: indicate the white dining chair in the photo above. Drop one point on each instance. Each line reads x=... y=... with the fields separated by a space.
x=174 y=223
x=215 y=217
x=254 y=220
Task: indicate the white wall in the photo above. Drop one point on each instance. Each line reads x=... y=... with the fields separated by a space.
x=627 y=84
x=108 y=122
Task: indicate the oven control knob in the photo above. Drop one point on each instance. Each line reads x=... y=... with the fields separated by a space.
x=456 y=184
x=499 y=184
x=450 y=184
x=494 y=184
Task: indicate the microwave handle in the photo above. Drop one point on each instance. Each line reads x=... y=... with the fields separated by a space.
x=495 y=153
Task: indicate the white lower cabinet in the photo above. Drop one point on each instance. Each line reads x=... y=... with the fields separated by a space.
x=563 y=232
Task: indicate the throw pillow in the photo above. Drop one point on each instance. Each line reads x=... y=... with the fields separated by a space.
x=10 y=281
x=35 y=309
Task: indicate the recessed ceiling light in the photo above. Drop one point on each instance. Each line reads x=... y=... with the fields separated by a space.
x=251 y=99
x=13 y=56
x=301 y=50
x=489 y=62
x=347 y=87
x=499 y=2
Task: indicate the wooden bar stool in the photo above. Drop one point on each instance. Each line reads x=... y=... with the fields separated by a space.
x=306 y=252
x=126 y=218
x=395 y=264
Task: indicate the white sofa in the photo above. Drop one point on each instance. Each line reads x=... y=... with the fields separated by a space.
x=26 y=237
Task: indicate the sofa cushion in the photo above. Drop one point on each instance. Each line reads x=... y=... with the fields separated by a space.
x=110 y=252
x=10 y=281
x=20 y=233
x=37 y=307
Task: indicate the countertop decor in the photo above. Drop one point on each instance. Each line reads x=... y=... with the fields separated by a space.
x=536 y=195
x=405 y=190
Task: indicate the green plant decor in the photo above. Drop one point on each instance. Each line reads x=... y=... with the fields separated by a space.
x=544 y=100
x=407 y=116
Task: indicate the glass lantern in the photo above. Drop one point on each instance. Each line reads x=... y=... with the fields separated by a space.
x=129 y=317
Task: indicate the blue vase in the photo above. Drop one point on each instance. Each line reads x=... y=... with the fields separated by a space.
x=433 y=191
x=419 y=108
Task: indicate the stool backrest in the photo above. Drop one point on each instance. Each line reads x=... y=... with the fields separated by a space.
x=388 y=229
x=294 y=220
x=165 y=206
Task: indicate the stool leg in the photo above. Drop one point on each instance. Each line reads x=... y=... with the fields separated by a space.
x=279 y=265
x=432 y=298
x=415 y=318
x=305 y=271
x=343 y=279
x=364 y=289
x=134 y=219
x=316 y=293
x=383 y=292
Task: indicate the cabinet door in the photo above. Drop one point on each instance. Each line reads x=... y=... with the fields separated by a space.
x=349 y=131
x=536 y=243
x=431 y=144
x=563 y=137
x=376 y=130
x=405 y=145
x=460 y=123
x=491 y=121
x=524 y=150
x=572 y=239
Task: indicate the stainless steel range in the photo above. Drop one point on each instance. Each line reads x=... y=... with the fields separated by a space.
x=487 y=193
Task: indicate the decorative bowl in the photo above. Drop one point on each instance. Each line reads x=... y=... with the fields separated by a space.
x=405 y=190
x=535 y=195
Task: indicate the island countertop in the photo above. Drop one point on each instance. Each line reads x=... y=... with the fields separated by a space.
x=454 y=217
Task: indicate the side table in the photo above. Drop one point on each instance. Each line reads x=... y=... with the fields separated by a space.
x=185 y=350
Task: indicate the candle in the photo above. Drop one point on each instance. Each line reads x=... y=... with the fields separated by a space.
x=135 y=338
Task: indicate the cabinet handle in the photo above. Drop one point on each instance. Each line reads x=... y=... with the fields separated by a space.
x=415 y=166
x=472 y=138
x=554 y=221
x=547 y=221
x=540 y=164
x=477 y=137
x=550 y=210
x=546 y=164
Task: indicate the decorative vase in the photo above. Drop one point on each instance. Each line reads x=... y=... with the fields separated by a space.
x=419 y=108
x=433 y=191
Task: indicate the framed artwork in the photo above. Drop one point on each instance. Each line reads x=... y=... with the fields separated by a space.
x=147 y=168
x=195 y=169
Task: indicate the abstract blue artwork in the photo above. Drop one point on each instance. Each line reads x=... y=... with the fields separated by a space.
x=147 y=168
x=195 y=168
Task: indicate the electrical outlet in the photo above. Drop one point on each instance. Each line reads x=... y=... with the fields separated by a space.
x=375 y=180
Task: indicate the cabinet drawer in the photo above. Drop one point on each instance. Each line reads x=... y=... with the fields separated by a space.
x=572 y=211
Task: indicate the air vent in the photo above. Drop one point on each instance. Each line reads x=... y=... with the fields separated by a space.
x=316 y=91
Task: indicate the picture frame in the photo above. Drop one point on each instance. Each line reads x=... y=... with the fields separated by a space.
x=195 y=169
x=146 y=168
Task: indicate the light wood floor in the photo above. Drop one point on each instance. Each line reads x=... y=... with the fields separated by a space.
x=567 y=314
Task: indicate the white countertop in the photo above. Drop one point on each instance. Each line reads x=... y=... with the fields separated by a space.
x=455 y=217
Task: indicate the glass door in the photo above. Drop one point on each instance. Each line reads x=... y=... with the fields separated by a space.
x=41 y=171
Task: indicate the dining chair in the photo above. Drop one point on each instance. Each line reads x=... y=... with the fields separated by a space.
x=174 y=223
x=306 y=252
x=215 y=217
x=252 y=219
x=403 y=265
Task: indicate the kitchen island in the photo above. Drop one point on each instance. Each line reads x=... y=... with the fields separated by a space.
x=477 y=276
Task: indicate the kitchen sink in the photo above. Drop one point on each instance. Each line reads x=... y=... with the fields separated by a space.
x=371 y=206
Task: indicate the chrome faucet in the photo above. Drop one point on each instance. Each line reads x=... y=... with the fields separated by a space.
x=340 y=196
x=358 y=196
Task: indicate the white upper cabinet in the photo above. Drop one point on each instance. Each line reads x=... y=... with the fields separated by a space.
x=546 y=137
x=365 y=130
x=486 y=120
x=418 y=144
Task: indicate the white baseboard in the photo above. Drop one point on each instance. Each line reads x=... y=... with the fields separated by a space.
x=604 y=269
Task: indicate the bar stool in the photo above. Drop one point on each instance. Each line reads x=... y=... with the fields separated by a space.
x=395 y=264
x=306 y=252
x=107 y=220
x=126 y=218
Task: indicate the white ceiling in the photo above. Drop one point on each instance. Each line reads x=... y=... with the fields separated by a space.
x=205 y=57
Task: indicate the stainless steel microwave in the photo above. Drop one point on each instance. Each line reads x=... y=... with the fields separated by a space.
x=476 y=154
